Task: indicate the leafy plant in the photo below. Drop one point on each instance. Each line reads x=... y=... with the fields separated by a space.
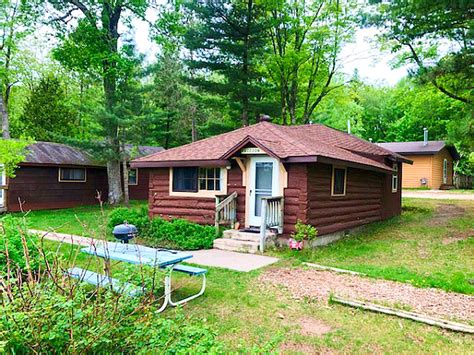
x=14 y=240
x=304 y=232
x=177 y=233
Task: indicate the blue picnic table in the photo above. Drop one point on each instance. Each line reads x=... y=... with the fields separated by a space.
x=140 y=255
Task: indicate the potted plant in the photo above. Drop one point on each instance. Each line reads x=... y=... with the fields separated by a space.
x=303 y=232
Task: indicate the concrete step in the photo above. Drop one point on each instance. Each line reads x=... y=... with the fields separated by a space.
x=246 y=236
x=230 y=244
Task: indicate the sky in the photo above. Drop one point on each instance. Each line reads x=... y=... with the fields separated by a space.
x=363 y=54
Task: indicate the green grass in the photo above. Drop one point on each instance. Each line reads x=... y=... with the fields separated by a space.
x=419 y=247
x=251 y=317
x=85 y=220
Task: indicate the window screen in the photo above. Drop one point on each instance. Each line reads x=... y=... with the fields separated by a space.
x=185 y=179
x=72 y=174
x=339 y=176
x=210 y=179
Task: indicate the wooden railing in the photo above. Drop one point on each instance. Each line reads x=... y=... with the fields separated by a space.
x=272 y=214
x=226 y=210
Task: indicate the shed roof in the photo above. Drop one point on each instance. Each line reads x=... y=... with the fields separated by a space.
x=49 y=153
x=419 y=148
x=310 y=143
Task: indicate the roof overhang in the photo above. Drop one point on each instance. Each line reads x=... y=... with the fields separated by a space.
x=55 y=165
x=180 y=163
x=326 y=160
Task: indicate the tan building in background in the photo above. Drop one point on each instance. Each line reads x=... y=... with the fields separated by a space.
x=433 y=163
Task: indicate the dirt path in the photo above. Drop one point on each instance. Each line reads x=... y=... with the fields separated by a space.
x=321 y=284
x=438 y=194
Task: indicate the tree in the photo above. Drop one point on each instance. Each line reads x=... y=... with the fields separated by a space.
x=89 y=33
x=12 y=152
x=436 y=36
x=226 y=40
x=16 y=21
x=306 y=38
x=46 y=115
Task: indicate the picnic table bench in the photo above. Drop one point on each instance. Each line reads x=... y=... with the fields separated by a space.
x=134 y=254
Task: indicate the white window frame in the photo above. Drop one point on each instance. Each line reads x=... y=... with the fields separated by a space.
x=136 y=177
x=73 y=181
x=3 y=182
x=395 y=177
x=445 y=171
x=334 y=167
x=200 y=193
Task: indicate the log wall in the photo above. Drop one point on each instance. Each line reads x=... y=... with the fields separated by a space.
x=195 y=209
x=362 y=203
x=39 y=188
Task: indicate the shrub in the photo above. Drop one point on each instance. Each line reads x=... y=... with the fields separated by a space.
x=54 y=314
x=14 y=238
x=304 y=232
x=135 y=216
x=177 y=233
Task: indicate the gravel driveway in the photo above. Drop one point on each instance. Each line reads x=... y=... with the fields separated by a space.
x=320 y=284
x=438 y=194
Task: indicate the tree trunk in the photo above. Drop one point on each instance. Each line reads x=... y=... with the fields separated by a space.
x=126 y=195
x=194 y=136
x=5 y=121
x=115 y=182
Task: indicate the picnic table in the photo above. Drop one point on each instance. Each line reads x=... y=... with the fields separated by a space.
x=170 y=260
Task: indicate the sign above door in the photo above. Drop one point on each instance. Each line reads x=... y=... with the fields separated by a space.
x=252 y=150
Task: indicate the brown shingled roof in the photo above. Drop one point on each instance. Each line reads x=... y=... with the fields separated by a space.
x=419 y=148
x=314 y=142
x=49 y=153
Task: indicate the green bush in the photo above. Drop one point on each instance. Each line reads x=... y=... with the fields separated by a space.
x=135 y=216
x=14 y=233
x=177 y=233
x=45 y=318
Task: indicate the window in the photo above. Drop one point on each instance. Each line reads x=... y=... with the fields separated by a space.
x=72 y=174
x=210 y=179
x=185 y=179
x=133 y=177
x=196 y=180
x=395 y=178
x=3 y=176
x=338 y=181
x=445 y=171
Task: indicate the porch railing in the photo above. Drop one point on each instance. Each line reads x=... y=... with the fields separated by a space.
x=226 y=210
x=272 y=217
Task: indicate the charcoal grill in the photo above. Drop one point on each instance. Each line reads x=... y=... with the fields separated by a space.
x=125 y=232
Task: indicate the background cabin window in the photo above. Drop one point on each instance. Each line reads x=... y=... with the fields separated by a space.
x=445 y=171
x=185 y=179
x=210 y=179
x=133 y=177
x=3 y=176
x=72 y=174
x=395 y=178
x=339 y=181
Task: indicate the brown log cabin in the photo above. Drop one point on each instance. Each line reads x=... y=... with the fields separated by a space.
x=267 y=176
x=55 y=175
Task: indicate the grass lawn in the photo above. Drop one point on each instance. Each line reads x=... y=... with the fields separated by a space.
x=85 y=220
x=430 y=245
x=251 y=317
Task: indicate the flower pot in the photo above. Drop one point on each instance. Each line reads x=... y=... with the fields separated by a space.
x=295 y=244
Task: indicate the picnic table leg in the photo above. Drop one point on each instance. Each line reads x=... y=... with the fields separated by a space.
x=203 y=288
x=167 y=293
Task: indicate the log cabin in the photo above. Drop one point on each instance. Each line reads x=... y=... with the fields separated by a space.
x=55 y=175
x=433 y=163
x=265 y=177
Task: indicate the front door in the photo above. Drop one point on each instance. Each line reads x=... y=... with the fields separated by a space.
x=263 y=182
